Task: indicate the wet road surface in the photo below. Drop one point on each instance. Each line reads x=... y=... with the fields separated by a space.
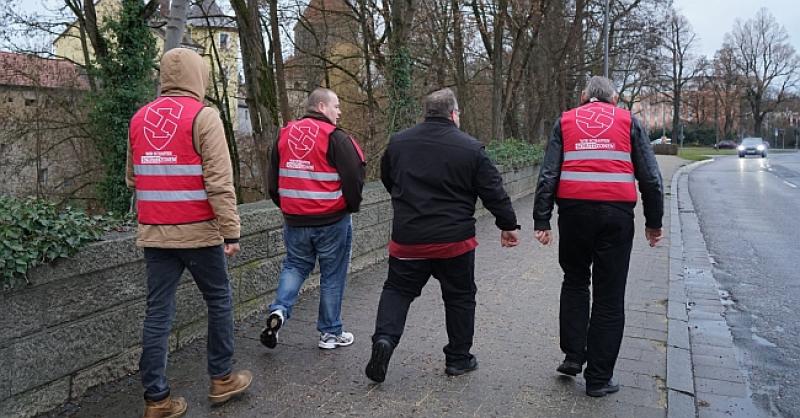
x=748 y=211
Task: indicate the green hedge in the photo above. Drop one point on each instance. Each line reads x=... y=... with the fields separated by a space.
x=514 y=153
x=34 y=231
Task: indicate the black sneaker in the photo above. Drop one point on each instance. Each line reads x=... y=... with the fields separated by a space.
x=602 y=390
x=269 y=337
x=569 y=368
x=379 y=361
x=453 y=370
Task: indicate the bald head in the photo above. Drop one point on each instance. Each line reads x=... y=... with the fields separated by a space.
x=324 y=101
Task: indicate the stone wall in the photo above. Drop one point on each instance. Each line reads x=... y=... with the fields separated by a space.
x=78 y=323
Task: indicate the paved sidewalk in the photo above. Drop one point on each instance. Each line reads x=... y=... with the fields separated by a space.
x=516 y=343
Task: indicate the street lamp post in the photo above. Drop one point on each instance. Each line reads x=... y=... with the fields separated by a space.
x=605 y=41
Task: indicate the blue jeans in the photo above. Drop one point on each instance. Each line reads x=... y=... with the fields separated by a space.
x=331 y=244
x=164 y=268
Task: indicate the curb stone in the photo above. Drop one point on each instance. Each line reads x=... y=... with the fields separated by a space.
x=697 y=322
x=680 y=373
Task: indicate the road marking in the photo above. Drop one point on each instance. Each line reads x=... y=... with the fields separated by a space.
x=792 y=185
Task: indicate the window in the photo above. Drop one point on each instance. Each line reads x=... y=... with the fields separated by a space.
x=9 y=99
x=3 y=149
x=224 y=40
x=30 y=102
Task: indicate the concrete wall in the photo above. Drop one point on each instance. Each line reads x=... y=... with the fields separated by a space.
x=78 y=323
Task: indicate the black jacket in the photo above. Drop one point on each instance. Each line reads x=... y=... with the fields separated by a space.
x=435 y=173
x=645 y=169
x=341 y=155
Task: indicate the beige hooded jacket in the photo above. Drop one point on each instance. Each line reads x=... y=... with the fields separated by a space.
x=185 y=73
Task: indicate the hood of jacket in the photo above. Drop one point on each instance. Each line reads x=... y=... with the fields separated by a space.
x=184 y=73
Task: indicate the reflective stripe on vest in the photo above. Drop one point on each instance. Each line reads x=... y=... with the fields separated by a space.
x=595 y=176
x=168 y=170
x=597 y=155
x=304 y=194
x=170 y=196
x=311 y=175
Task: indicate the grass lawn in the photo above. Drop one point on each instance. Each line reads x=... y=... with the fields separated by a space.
x=702 y=153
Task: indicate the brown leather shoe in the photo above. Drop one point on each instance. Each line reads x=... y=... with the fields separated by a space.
x=228 y=386
x=166 y=408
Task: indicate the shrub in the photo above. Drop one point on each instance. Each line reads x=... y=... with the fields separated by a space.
x=514 y=153
x=34 y=231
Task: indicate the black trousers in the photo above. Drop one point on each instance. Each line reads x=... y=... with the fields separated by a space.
x=594 y=247
x=405 y=282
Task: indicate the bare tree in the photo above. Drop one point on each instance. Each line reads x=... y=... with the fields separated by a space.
x=259 y=81
x=726 y=82
x=769 y=63
x=682 y=68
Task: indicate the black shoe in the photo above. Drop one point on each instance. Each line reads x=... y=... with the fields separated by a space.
x=603 y=390
x=454 y=370
x=269 y=337
x=569 y=368
x=379 y=362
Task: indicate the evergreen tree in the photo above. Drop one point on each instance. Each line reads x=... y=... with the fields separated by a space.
x=126 y=79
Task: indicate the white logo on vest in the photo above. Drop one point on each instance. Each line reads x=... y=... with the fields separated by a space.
x=301 y=137
x=161 y=122
x=595 y=120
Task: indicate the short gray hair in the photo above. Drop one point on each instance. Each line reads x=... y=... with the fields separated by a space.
x=600 y=88
x=440 y=103
x=319 y=95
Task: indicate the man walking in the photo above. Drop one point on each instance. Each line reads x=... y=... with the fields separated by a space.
x=316 y=177
x=434 y=173
x=179 y=164
x=595 y=154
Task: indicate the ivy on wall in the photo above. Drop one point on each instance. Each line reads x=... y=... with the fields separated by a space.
x=34 y=231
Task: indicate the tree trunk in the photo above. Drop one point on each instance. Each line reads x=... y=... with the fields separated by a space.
x=99 y=43
x=260 y=82
x=368 y=86
x=277 y=52
x=461 y=75
x=497 y=71
x=176 y=24
x=401 y=100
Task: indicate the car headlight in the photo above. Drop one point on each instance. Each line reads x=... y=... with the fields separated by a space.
x=740 y=147
x=760 y=147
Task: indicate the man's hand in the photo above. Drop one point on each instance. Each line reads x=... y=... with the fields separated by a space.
x=231 y=249
x=509 y=238
x=544 y=237
x=653 y=235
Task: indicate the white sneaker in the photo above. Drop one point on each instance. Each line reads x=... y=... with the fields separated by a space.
x=330 y=341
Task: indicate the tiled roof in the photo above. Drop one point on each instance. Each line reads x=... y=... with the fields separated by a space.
x=208 y=14
x=33 y=71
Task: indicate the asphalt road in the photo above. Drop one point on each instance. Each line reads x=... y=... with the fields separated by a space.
x=748 y=211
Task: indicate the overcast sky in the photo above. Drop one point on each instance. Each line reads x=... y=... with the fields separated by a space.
x=712 y=19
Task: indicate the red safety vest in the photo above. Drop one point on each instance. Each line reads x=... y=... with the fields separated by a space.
x=168 y=171
x=307 y=183
x=597 y=154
